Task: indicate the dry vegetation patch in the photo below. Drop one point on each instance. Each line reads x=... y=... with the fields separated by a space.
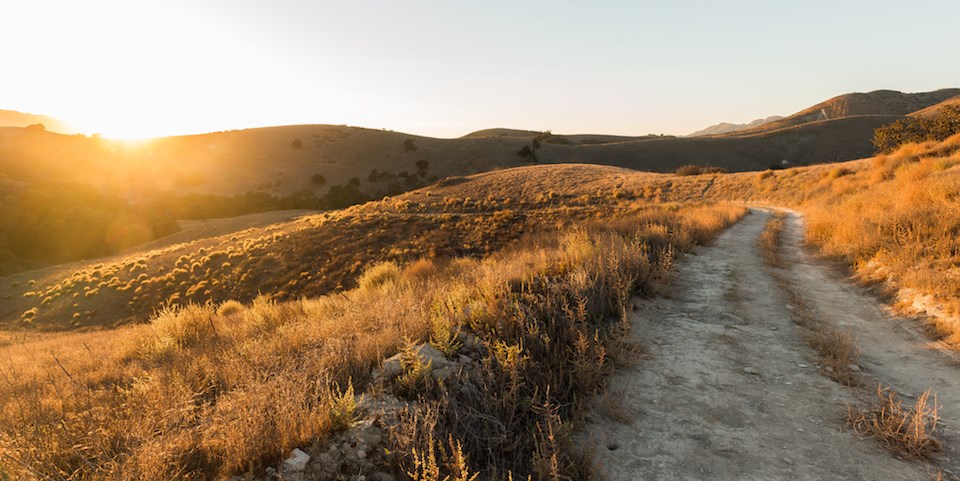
x=905 y=430
x=233 y=387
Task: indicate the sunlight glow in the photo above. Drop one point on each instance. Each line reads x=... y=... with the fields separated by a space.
x=135 y=69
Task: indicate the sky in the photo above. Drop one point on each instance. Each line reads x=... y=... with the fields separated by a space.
x=140 y=68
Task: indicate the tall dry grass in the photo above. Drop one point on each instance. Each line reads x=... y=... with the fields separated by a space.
x=909 y=431
x=209 y=391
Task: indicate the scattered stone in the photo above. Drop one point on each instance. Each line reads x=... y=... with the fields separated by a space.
x=828 y=369
x=854 y=368
x=799 y=430
x=790 y=307
x=788 y=460
x=802 y=365
x=428 y=354
x=296 y=462
x=773 y=328
x=750 y=370
x=381 y=476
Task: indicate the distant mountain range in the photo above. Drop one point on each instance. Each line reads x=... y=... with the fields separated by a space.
x=726 y=128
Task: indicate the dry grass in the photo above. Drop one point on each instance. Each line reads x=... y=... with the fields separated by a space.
x=904 y=430
x=232 y=388
x=769 y=242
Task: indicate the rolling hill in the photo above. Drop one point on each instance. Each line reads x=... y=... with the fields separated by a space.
x=876 y=103
x=51 y=183
x=12 y=118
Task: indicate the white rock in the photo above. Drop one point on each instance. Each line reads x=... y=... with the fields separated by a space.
x=392 y=367
x=750 y=370
x=854 y=368
x=297 y=461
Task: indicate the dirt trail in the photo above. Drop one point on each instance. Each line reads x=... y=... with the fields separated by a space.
x=732 y=391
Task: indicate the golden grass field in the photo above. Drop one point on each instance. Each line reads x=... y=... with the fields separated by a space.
x=537 y=263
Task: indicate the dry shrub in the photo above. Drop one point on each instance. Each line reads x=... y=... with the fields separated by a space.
x=908 y=431
x=379 y=275
x=699 y=170
x=229 y=308
x=837 y=172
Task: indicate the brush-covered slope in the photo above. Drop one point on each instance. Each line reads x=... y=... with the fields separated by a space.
x=933 y=110
x=878 y=102
x=313 y=254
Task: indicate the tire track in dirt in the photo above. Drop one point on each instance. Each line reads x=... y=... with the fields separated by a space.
x=730 y=389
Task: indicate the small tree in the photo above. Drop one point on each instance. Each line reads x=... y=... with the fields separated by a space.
x=527 y=154
x=318 y=180
x=409 y=146
x=423 y=164
x=355 y=181
x=297 y=144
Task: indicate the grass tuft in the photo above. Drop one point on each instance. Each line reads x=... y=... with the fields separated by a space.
x=905 y=430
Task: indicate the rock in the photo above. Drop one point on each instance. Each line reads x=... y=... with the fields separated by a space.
x=802 y=365
x=787 y=460
x=393 y=367
x=828 y=369
x=296 y=462
x=790 y=307
x=750 y=370
x=362 y=454
x=854 y=368
x=444 y=373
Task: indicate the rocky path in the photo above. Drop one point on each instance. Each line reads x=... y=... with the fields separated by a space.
x=731 y=390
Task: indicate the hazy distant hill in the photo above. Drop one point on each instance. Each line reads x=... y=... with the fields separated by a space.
x=12 y=118
x=726 y=128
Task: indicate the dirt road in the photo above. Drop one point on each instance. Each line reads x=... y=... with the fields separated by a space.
x=732 y=391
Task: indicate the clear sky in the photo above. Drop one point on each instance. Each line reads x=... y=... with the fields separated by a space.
x=139 y=68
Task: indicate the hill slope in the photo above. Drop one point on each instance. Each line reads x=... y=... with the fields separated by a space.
x=878 y=102
x=12 y=118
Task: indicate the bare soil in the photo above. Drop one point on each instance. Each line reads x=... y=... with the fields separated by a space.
x=730 y=389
